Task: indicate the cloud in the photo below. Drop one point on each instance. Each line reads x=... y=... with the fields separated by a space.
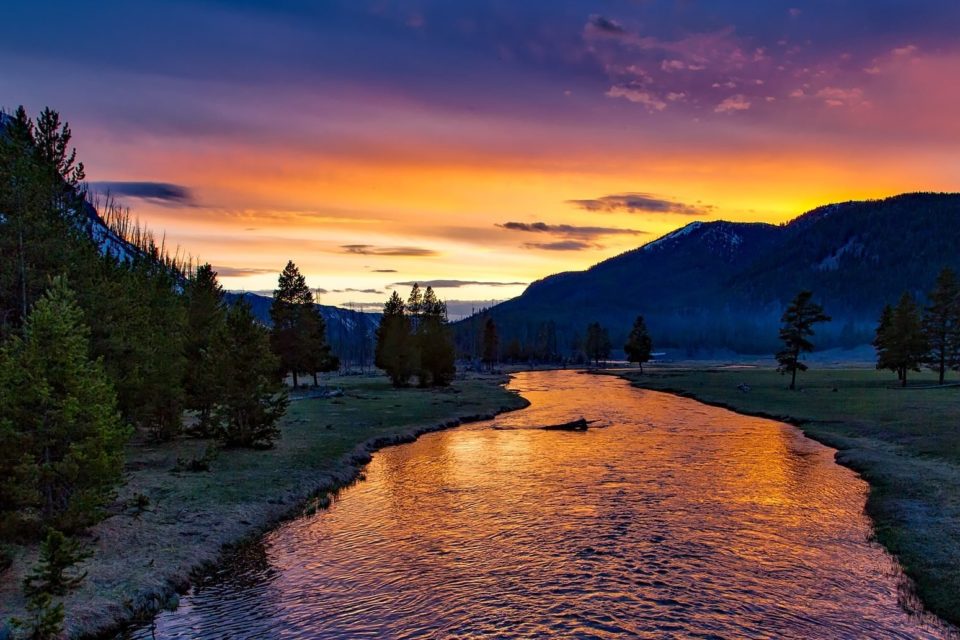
x=370 y=250
x=383 y=270
x=641 y=202
x=160 y=191
x=606 y=25
x=733 y=104
x=351 y=290
x=647 y=99
x=840 y=97
x=563 y=245
x=455 y=284
x=240 y=272
x=567 y=230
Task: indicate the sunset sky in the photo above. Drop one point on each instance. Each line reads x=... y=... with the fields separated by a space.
x=483 y=145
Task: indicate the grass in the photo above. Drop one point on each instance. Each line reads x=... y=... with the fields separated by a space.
x=904 y=442
x=169 y=523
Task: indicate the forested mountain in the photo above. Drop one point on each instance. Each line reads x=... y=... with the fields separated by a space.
x=713 y=286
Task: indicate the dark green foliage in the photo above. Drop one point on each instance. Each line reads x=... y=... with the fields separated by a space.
x=205 y=318
x=395 y=352
x=491 y=343
x=59 y=412
x=639 y=344
x=6 y=557
x=900 y=341
x=318 y=356
x=597 y=345
x=197 y=464
x=797 y=328
x=54 y=573
x=299 y=333
x=434 y=342
x=941 y=324
x=45 y=619
x=252 y=400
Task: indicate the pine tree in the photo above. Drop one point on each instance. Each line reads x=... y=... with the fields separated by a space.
x=639 y=344
x=491 y=343
x=205 y=318
x=798 y=321
x=395 y=352
x=317 y=355
x=597 y=344
x=882 y=340
x=54 y=574
x=45 y=619
x=902 y=339
x=941 y=324
x=437 y=355
x=289 y=337
x=58 y=406
x=252 y=400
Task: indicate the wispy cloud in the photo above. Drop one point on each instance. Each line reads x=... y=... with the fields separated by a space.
x=240 y=272
x=455 y=284
x=383 y=270
x=563 y=245
x=351 y=290
x=642 y=203
x=165 y=192
x=371 y=250
x=568 y=230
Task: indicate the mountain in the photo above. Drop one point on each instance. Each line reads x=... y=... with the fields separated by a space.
x=722 y=286
x=351 y=333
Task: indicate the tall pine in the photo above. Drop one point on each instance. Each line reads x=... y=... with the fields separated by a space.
x=639 y=344
x=901 y=339
x=395 y=352
x=941 y=324
x=437 y=354
x=795 y=333
x=290 y=313
x=205 y=317
x=59 y=410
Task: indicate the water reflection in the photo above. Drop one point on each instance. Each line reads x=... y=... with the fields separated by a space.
x=672 y=519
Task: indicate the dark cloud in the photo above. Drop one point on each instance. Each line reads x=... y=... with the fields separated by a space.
x=642 y=203
x=162 y=191
x=454 y=284
x=351 y=290
x=563 y=245
x=568 y=230
x=384 y=270
x=606 y=25
x=370 y=250
x=240 y=272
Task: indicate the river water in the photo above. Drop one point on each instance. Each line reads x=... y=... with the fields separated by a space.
x=669 y=518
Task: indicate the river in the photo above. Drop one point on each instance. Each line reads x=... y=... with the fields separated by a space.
x=668 y=518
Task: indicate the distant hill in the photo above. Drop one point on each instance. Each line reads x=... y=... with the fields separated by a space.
x=351 y=333
x=722 y=286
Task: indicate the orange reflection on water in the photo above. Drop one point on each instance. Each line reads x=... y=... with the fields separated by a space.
x=668 y=518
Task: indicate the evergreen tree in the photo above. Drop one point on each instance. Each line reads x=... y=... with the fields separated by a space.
x=597 y=345
x=205 y=318
x=290 y=312
x=395 y=352
x=45 y=619
x=639 y=344
x=437 y=355
x=882 y=339
x=317 y=356
x=941 y=324
x=798 y=321
x=903 y=344
x=491 y=343
x=57 y=405
x=252 y=400
x=54 y=573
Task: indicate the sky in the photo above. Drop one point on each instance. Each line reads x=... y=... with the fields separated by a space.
x=481 y=145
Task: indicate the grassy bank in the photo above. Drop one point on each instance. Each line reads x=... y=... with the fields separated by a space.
x=904 y=442
x=144 y=555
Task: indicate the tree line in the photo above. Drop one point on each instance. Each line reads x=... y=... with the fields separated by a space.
x=414 y=340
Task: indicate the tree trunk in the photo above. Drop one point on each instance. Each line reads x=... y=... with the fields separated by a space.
x=295 y=381
x=316 y=382
x=641 y=367
x=903 y=380
x=943 y=363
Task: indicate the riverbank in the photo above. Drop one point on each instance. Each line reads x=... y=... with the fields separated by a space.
x=904 y=442
x=146 y=553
